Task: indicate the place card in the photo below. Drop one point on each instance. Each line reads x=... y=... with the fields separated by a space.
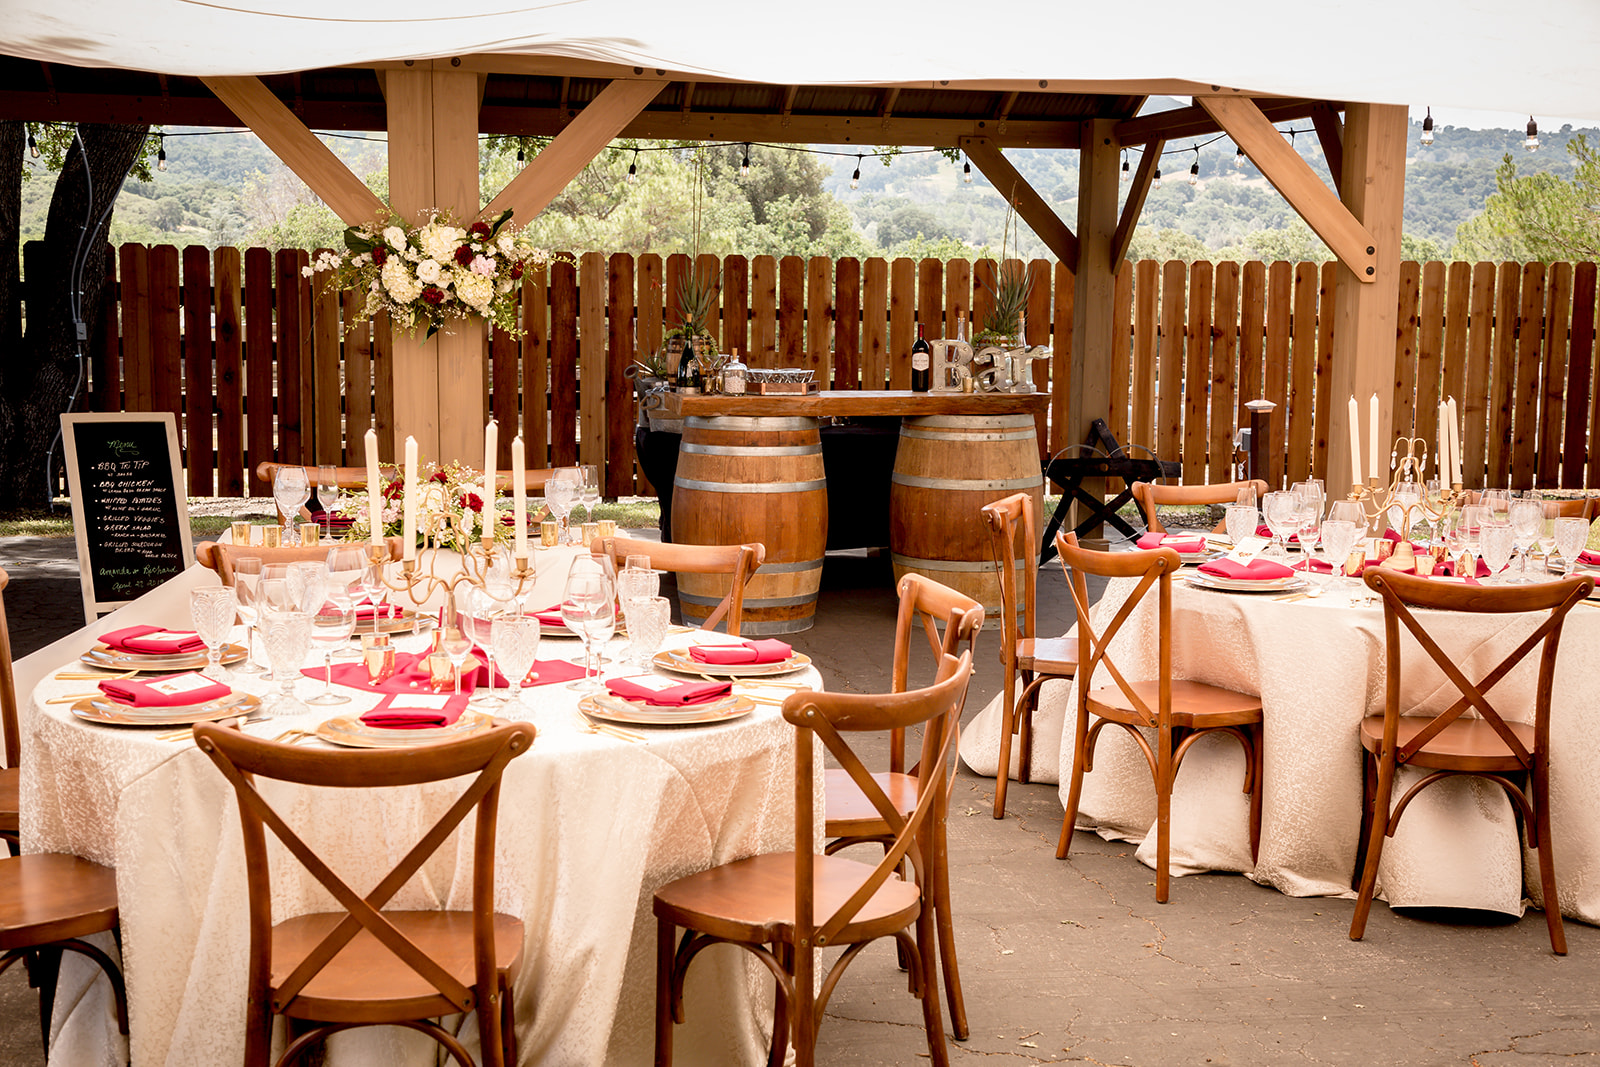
x=179 y=684
x=1248 y=549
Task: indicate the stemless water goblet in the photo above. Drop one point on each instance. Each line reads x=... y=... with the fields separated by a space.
x=287 y=637
x=1572 y=535
x=516 y=645
x=1527 y=523
x=1282 y=512
x=1496 y=540
x=635 y=584
x=1241 y=521
x=291 y=488
x=246 y=579
x=212 y=609
x=331 y=627
x=588 y=609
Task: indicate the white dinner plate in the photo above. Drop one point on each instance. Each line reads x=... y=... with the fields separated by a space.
x=679 y=661
x=107 y=659
x=1244 y=585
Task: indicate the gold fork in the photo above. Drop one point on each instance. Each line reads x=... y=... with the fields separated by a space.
x=91 y=676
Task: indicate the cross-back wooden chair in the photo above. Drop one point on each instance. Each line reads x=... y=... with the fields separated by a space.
x=782 y=907
x=739 y=562
x=851 y=817
x=1014 y=539
x=1152 y=495
x=220 y=557
x=1451 y=743
x=1178 y=711
x=367 y=965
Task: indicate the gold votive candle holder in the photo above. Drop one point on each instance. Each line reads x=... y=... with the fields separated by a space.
x=608 y=528
x=588 y=532
x=378 y=657
x=1354 y=562
x=310 y=533
x=271 y=536
x=548 y=532
x=240 y=533
x=441 y=672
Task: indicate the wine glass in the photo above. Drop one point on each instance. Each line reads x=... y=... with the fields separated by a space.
x=482 y=608
x=328 y=495
x=588 y=609
x=331 y=627
x=287 y=636
x=212 y=609
x=1469 y=528
x=1241 y=521
x=246 y=579
x=515 y=639
x=1282 y=512
x=308 y=584
x=1496 y=539
x=343 y=573
x=1572 y=536
x=291 y=488
x=1309 y=493
x=456 y=643
x=1407 y=495
x=590 y=493
x=1497 y=504
x=561 y=493
x=1338 y=538
x=1247 y=496
x=375 y=590
x=1527 y=523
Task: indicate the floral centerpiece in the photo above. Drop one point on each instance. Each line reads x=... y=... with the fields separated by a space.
x=449 y=510
x=429 y=274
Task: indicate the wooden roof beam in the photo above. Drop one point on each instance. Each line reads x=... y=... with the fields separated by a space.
x=886 y=104
x=1293 y=177
x=1149 y=161
x=298 y=147
x=572 y=149
x=1330 y=132
x=1196 y=121
x=1031 y=207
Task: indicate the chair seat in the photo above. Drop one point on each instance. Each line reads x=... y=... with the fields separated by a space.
x=53 y=897
x=10 y=800
x=1048 y=655
x=1468 y=744
x=1195 y=705
x=753 y=899
x=367 y=983
x=851 y=814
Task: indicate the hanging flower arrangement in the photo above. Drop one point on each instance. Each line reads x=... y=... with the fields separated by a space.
x=429 y=274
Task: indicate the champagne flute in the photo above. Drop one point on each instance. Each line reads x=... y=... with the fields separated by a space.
x=516 y=645
x=328 y=495
x=212 y=609
x=291 y=488
x=246 y=578
x=331 y=627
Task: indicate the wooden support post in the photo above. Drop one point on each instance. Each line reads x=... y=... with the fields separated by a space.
x=1094 y=327
x=1366 y=308
x=433 y=162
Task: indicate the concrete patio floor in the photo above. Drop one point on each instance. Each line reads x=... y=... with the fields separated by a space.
x=1075 y=962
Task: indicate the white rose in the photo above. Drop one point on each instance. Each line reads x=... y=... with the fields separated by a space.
x=507 y=242
x=395 y=236
x=440 y=242
x=307 y=272
x=428 y=272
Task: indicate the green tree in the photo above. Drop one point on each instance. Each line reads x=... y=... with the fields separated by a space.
x=1165 y=244
x=1540 y=217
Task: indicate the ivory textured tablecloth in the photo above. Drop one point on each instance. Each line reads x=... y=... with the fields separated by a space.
x=1318 y=666
x=589 y=827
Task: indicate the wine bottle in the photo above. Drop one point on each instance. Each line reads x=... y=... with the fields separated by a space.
x=921 y=364
x=688 y=373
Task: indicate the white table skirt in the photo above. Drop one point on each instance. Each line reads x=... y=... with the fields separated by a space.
x=1318 y=666
x=589 y=827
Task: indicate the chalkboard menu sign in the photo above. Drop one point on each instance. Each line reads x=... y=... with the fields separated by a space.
x=124 y=471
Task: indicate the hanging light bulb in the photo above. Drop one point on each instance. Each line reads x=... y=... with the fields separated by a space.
x=744 y=166
x=161 y=151
x=1194 y=171
x=633 y=168
x=522 y=159
x=1427 y=129
x=966 y=172
x=1155 y=183
x=33 y=147
x=855 y=179
x=1532 y=143
x=1125 y=164
x=1239 y=158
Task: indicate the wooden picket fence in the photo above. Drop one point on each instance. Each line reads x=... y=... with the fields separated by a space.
x=255 y=361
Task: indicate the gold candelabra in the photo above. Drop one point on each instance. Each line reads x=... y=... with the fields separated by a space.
x=1408 y=464
x=478 y=560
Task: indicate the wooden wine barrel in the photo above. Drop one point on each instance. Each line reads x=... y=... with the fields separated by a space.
x=753 y=479
x=946 y=468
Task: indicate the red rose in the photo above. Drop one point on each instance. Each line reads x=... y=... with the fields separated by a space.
x=379 y=255
x=394 y=490
x=516 y=270
x=471 y=502
x=439 y=476
x=433 y=294
x=464 y=255
x=479 y=229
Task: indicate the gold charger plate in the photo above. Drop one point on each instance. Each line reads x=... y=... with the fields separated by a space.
x=108 y=712
x=107 y=659
x=395 y=624
x=678 y=660
x=351 y=732
x=626 y=713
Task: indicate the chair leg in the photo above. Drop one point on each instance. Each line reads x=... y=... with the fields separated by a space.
x=938 y=1048
x=1069 y=818
x=1164 y=776
x=508 y=1021
x=781 y=1020
x=665 y=957
x=1375 y=836
x=1257 y=744
x=1024 y=728
x=1547 y=861
x=1369 y=787
x=947 y=934
x=1008 y=721
x=43 y=970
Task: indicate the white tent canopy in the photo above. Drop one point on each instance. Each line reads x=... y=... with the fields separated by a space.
x=1534 y=57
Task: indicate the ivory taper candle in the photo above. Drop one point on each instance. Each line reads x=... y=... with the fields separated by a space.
x=519 y=495
x=374 y=489
x=408 y=526
x=1355 y=443
x=491 y=434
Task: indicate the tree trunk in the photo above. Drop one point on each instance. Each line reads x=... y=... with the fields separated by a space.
x=46 y=375
x=13 y=137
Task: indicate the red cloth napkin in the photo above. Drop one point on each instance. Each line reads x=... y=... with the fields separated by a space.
x=551 y=671
x=153 y=640
x=1266 y=531
x=1257 y=570
x=768 y=651
x=410 y=675
x=367 y=611
x=672 y=696
x=1588 y=558
x=388 y=716
x=175 y=690
x=550 y=616
x=1182 y=543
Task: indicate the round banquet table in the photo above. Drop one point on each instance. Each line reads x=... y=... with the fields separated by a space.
x=589 y=826
x=1318 y=665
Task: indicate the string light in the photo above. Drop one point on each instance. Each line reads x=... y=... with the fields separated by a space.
x=1532 y=143
x=744 y=166
x=966 y=170
x=1194 y=171
x=1238 y=157
x=161 y=151
x=522 y=160
x=1155 y=183
x=855 y=178
x=1125 y=174
x=633 y=168
x=1427 y=129
x=33 y=147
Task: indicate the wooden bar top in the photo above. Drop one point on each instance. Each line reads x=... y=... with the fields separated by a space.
x=857 y=402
